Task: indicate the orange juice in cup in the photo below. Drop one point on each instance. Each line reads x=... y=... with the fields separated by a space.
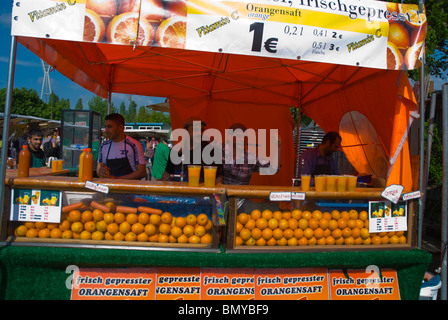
x=60 y=163
x=54 y=165
x=305 y=179
x=351 y=183
x=209 y=176
x=342 y=183
x=194 y=171
x=331 y=183
x=320 y=182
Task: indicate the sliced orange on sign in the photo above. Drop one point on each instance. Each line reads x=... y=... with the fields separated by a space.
x=411 y=58
x=94 y=27
x=394 y=57
x=413 y=17
x=127 y=28
x=172 y=32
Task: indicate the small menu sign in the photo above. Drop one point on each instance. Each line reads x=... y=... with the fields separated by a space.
x=36 y=205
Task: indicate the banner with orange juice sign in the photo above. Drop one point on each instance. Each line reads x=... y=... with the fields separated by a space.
x=291 y=284
x=36 y=205
x=178 y=284
x=372 y=34
x=227 y=284
x=369 y=284
x=386 y=216
x=114 y=284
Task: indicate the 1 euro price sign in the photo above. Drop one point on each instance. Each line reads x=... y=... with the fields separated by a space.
x=36 y=205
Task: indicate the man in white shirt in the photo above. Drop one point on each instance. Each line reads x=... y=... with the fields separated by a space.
x=120 y=156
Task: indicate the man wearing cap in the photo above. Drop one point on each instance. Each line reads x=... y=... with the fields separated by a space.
x=192 y=148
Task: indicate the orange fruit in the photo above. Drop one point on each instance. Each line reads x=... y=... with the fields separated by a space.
x=119 y=217
x=30 y=225
x=283 y=224
x=108 y=217
x=176 y=232
x=332 y=225
x=293 y=223
x=339 y=241
x=40 y=225
x=245 y=234
x=150 y=229
x=154 y=219
x=238 y=227
x=57 y=233
x=67 y=234
x=255 y=214
x=398 y=35
x=191 y=219
x=307 y=215
x=119 y=236
x=364 y=233
x=356 y=233
x=326 y=215
x=313 y=223
x=77 y=227
x=260 y=242
x=286 y=215
x=110 y=205
x=385 y=239
x=188 y=230
x=308 y=233
x=64 y=225
x=127 y=28
x=90 y=226
x=351 y=223
x=277 y=215
x=256 y=233
x=21 y=231
x=261 y=223
x=277 y=234
x=346 y=232
x=273 y=223
x=124 y=227
x=238 y=241
x=131 y=236
x=101 y=226
x=303 y=223
x=335 y=214
x=282 y=242
x=266 y=234
x=138 y=228
x=402 y=239
x=85 y=235
x=271 y=242
x=155 y=238
x=52 y=226
x=193 y=239
x=166 y=217
x=296 y=214
x=367 y=241
x=411 y=57
x=345 y=215
x=250 y=224
x=142 y=237
x=172 y=32
x=292 y=242
x=298 y=233
x=353 y=214
x=363 y=215
x=342 y=223
x=180 y=222
x=131 y=218
x=206 y=238
x=394 y=57
x=324 y=223
x=416 y=19
x=242 y=218
x=288 y=234
x=74 y=215
x=317 y=214
x=112 y=228
x=394 y=239
x=165 y=228
x=318 y=233
x=108 y=236
x=97 y=235
x=202 y=219
x=312 y=241
x=321 y=241
x=266 y=214
x=303 y=241
x=44 y=233
x=97 y=215
x=330 y=241
x=376 y=239
x=359 y=224
x=199 y=230
x=349 y=241
x=76 y=235
x=86 y=216
x=337 y=233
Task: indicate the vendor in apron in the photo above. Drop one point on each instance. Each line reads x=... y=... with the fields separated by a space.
x=37 y=155
x=120 y=156
x=319 y=160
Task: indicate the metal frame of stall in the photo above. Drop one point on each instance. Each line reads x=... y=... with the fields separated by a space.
x=423 y=171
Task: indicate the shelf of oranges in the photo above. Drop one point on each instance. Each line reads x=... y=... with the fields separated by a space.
x=295 y=230
x=89 y=227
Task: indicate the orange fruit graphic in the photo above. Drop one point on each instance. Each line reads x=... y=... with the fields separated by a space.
x=172 y=32
x=94 y=27
x=398 y=35
x=127 y=29
x=411 y=58
x=176 y=8
x=149 y=9
x=102 y=7
x=413 y=17
x=394 y=57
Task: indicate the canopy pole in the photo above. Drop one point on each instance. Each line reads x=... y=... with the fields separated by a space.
x=422 y=142
x=444 y=192
x=109 y=99
x=5 y=136
x=298 y=143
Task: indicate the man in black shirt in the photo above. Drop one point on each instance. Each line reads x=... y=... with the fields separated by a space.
x=37 y=158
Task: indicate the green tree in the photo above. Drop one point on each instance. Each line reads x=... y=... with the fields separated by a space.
x=132 y=112
x=123 y=110
x=25 y=102
x=79 y=105
x=100 y=105
x=143 y=115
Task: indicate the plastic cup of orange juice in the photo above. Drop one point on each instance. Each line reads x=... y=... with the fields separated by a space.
x=351 y=183
x=54 y=165
x=342 y=183
x=209 y=176
x=305 y=179
x=320 y=182
x=60 y=163
x=194 y=171
x=331 y=183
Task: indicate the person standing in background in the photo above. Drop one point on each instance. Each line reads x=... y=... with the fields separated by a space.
x=161 y=155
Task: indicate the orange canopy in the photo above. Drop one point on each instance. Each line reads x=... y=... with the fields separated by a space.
x=257 y=91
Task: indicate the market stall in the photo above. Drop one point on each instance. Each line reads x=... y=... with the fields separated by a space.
x=195 y=53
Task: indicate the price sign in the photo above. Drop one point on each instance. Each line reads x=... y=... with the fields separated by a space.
x=36 y=205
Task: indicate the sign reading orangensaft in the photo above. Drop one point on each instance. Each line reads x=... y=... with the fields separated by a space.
x=372 y=34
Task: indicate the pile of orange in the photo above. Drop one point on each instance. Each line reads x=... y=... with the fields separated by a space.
x=135 y=22
x=96 y=225
x=306 y=228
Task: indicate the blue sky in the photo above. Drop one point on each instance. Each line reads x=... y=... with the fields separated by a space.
x=29 y=72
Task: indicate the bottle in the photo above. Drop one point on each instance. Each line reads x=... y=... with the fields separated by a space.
x=24 y=162
x=80 y=164
x=87 y=165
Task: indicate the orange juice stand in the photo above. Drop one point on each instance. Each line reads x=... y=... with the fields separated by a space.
x=230 y=62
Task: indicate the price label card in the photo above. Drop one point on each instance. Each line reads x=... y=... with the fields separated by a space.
x=36 y=205
x=385 y=216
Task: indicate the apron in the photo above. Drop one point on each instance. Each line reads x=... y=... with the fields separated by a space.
x=120 y=166
x=321 y=169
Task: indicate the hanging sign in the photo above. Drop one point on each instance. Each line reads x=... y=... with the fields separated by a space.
x=385 y=216
x=372 y=34
x=36 y=205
